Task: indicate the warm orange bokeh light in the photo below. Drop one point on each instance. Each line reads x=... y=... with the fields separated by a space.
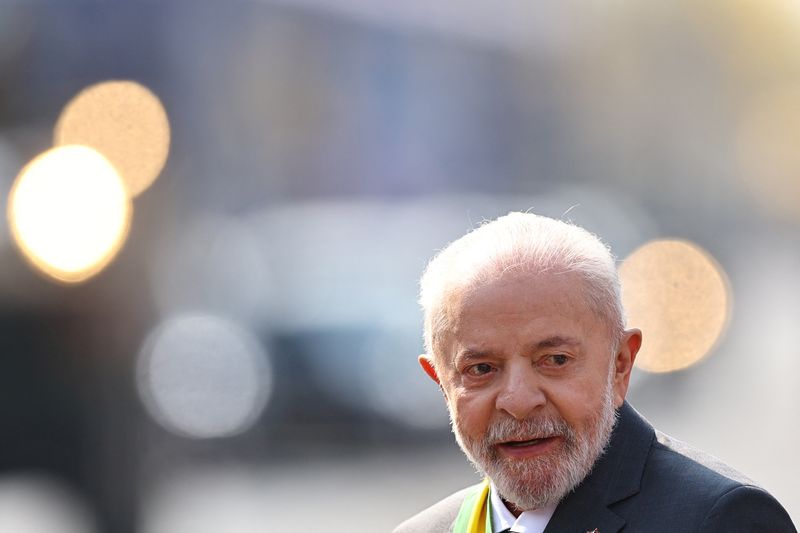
x=678 y=296
x=126 y=123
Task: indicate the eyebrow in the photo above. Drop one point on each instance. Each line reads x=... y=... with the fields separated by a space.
x=555 y=341
x=470 y=355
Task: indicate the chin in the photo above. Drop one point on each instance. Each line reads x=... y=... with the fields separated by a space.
x=533 y=484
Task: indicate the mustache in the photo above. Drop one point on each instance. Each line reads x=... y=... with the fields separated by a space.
x=508 y=429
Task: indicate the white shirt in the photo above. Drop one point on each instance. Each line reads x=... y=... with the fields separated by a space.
x=527 y=522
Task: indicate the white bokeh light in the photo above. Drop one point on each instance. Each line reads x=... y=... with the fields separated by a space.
x=69 y=212
x=36 y=504
x=203 y=376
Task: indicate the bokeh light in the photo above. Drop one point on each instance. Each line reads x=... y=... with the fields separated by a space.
x=69 y=212
x=675 y=292
x=203 y=376
x=769 y=157
x=124 y=121
x=36 y=504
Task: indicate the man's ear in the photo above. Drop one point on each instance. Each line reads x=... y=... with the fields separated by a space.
x=426 y=363
x=623 y=363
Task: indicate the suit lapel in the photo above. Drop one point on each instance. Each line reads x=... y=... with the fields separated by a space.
x=584 y=516
x=617 y=475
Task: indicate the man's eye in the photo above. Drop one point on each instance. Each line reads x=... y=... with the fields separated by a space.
x=557 y=359
x=480 y=369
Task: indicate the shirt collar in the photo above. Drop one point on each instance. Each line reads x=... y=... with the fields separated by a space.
x=527 y=522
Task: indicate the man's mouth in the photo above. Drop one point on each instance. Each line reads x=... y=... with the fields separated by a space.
x=521 y=443
x=527 y=447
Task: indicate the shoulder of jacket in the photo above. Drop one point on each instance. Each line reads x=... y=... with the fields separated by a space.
x=748 y=508
x=699 y=465
x=439 y=517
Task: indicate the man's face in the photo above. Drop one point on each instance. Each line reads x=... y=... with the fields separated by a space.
x=532 y=377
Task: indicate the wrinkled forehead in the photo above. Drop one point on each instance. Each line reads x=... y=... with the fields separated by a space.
x=563 y=294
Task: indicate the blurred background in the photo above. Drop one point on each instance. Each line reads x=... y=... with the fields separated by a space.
x=218 y=330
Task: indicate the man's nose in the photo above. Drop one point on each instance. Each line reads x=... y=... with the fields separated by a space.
x=522 y=393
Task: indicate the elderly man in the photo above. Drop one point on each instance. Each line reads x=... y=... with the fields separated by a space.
x=525 y=335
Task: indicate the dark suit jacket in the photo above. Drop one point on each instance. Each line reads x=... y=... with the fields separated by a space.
x=646 y=482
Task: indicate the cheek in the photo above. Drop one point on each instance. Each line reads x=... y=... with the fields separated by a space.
x=578 y=402
x=473 y=413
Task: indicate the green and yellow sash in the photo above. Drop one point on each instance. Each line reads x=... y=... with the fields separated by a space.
x=475 y=515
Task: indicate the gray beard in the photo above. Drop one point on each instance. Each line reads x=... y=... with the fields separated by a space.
x=538 y=482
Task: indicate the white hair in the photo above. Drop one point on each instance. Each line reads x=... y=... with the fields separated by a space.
x=524 y=243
